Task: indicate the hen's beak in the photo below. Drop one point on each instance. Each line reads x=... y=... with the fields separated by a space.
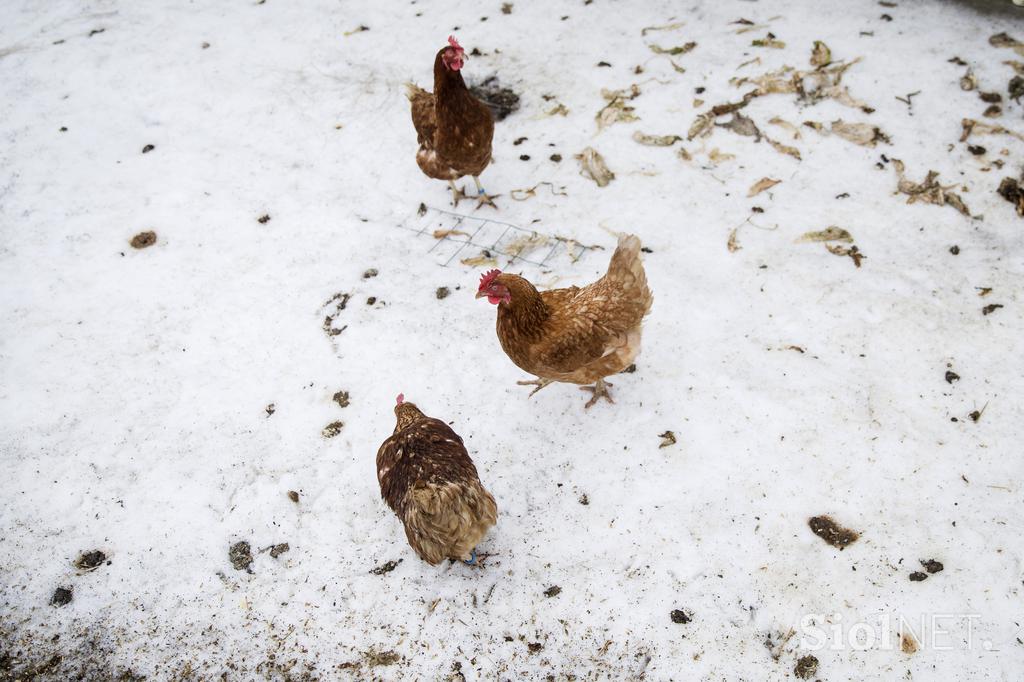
x=481 y=294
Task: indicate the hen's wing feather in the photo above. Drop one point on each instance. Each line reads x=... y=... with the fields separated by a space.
x=423 y=114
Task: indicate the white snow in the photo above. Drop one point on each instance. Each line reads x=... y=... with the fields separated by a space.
x=134 y=383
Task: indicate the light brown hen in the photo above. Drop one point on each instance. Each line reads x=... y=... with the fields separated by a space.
x=574 y=335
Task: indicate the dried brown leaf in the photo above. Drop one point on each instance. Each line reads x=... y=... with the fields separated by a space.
x=667 y=27
x=558 y=110
x=741 y=125
x=592 y=166
x=441 y=234
x=481 y=260
x=972 y=127
x=717 y=156
x=673 y=51
x=928 y=191
x=864 y=134
x=769 y=41
x=792 y=129
x=761 y=185
x=820 y=55
x=733 y=244
x=784 y=149
x=655 y=140
x=829 y=234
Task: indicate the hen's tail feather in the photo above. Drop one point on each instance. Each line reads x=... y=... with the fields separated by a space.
x=627 y=269
x=413 y=91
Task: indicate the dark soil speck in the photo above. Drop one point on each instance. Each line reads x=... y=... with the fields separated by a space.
x=951 y=376
x=240 y=555
x=681 y=617
x=62 y=596
x=931 y=565
x=279 y=549
x=831 y=532
x=341 y=397
x=502 y=101
x=143 y=239
x=442 y=292
x=372 y=272
x=386 y=567
x=552 y=591
x=88 y=561
x=918 y=576
x=293 y=496
x=263 y=219
x=148 y=148
x=332 y=429
x=806 y=667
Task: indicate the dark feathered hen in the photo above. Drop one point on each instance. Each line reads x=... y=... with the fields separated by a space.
x=578 y=335
x=429 y=481
x=453 y=127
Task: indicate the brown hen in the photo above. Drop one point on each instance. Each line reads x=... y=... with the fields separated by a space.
x=454 y=128
x=574 y=335
x=429 y=481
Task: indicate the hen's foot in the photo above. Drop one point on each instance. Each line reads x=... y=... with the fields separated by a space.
x=457 y=194
x=475 y=559
x=539 y=383
x=485 y=199
x=600 y=390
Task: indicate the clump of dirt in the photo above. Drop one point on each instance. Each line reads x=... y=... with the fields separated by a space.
x=534 y=647
x=806 y=667
x=240 y=555
x=680 y=616
x=90 y=561
x=148 y=148
x=143 y=239
x=552 y=591
x=918 y=576
x=293 y=496
x=371 y=300
x=62 y=596
x=279 y=549
x=341 y=397
x=831 y=532
x=332 y=429
x=951 y=376
x=931 y=565
x=501 y=101
x=991 y=308
x=584 y=500
x=386 y=567
x=263 y=219
x=1011 y=190
x=340 y=301
x=372 y=272
x=379 y=658
x=442 y=292
x=270 y=409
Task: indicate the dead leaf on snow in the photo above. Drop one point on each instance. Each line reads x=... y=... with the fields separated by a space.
x=684 y=155
x=655 y=140
x=784 y=149
x=592 y=166
x=789 y=127
x=908 y=644
x=864 y=134
x=769 y=41
x=667 y=27
x=617 y=110
x=701 y=126
x=929 y=191
x=755 y=60
x=1011 y=190
x=829 y=234
x=733 y=244
x=1004 y=40
x=441 y=234
x=761 y=185
x=558 y=110
x=720 y=157
x=1017 y=66
x=481 y=260
x=852 y=251
x=673 y=51
x=820 y=55
x=667 y=438
x=741 y=125
x=972 y=127
x=968 y=81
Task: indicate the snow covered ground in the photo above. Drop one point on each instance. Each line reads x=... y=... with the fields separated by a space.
x=159 y=404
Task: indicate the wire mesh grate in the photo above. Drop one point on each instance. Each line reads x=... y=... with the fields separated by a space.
x=471 y=240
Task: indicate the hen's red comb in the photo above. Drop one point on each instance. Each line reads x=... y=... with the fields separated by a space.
x=400 y=399
x=454 y=43
x=487 y=278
